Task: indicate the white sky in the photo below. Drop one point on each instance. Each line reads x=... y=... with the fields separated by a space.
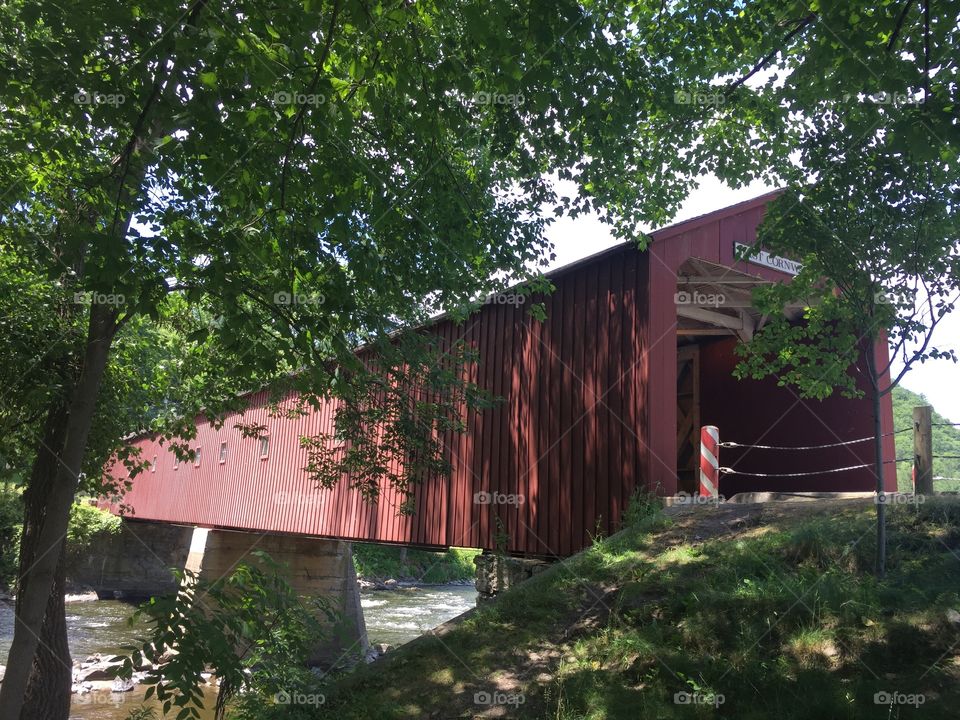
x=939 y=381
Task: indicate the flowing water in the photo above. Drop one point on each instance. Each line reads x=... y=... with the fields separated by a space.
x=397 y=616
x=393 y=617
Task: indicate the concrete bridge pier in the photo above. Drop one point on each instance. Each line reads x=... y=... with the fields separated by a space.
x=137 y=564
x=314 y=567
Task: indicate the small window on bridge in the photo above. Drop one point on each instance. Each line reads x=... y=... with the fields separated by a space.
x=223 y=453
x=264 y=447
x=196 y=458
x=153 y=465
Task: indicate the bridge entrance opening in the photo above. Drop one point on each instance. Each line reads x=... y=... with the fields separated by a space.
x=714 y=304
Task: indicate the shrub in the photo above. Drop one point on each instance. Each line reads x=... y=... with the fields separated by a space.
x=87 y=522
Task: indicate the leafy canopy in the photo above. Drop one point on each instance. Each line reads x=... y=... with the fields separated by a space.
x=275 y=186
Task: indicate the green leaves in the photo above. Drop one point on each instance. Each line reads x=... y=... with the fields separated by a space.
x=878 y=236
x=392 y=158
x=249 y=628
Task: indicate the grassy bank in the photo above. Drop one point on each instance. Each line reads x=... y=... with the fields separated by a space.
x=379 y=563
x=737 y=612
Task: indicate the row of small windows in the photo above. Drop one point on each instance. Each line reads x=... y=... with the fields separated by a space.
x=198 y=454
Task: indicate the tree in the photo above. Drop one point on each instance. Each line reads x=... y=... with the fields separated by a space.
x=37 y=361
x=879 y=238
x=868 y=93
x=292 y=181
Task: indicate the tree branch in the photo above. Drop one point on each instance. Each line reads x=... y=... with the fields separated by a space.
x=934 y=321
x=899 y=25
x=801 y=25
x=926 y=51
x=137 y=132
x=294 y=129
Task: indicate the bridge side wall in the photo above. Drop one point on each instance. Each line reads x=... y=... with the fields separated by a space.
x=538 y=474
x=588 y=415
x=557 y=460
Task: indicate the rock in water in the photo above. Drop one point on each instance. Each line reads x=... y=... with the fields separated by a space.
x=122 y=685
x=100 y=671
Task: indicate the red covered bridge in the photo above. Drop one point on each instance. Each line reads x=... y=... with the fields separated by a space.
x=604 y=396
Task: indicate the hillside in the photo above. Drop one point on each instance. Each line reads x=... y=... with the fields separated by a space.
x=741 y=611
x=946 y=441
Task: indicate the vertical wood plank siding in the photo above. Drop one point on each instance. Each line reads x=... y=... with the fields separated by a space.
x=588 y=414
x=564 y=437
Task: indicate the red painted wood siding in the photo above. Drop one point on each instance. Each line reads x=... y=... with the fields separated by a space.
x=757 y=412
x=589 y=414
x=712 y=238
x=567 y=437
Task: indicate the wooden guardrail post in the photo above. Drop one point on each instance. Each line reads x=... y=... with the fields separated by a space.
x=923 y=450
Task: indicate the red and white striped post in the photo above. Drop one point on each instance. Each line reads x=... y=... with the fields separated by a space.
x=709 y=461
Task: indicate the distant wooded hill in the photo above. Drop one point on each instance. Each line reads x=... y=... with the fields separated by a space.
x=946 y=441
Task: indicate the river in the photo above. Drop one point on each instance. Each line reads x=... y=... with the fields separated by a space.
x=393 y=617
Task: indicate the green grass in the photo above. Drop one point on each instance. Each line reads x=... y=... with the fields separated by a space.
x=384 y=562
x=782 y=620
x=789 y=623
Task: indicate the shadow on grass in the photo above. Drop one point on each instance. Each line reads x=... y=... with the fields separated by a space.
x=783 y=624
x=781 y=620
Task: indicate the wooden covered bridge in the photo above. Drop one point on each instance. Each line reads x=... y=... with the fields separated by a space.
x=603 y=397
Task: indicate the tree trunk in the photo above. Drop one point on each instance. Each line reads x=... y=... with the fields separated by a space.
x=881 y=498
x=39 y=581
x=48 y=691
x=881 y=564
